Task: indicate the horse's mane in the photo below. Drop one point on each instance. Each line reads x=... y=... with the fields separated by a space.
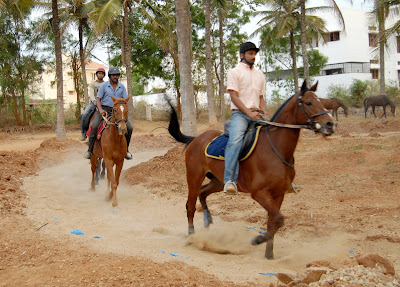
x=281 y=108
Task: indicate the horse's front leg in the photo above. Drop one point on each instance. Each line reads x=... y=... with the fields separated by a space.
x=110 y=177
x=373 y=111
x=275 y=220
x=118 y=169
x=103 y=170
x=384 y=112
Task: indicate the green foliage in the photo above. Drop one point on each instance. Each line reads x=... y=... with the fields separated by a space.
x=316 y=61
x=342 y=93
x=358 y=91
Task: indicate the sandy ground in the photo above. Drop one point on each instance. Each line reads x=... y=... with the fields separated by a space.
x=349 y=205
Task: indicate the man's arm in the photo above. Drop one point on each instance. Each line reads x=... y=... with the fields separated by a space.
x=239 y=104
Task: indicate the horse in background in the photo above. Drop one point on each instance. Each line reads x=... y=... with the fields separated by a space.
x=334 y=104
x=382 y=101
x=267 y=172
x=112 y=147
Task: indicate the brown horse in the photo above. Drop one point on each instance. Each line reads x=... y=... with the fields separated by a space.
x=112 y=148
x=382 y=101
x=267 y=173
x=334 y=104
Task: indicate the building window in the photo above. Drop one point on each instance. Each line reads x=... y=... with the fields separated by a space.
x=71 y=93
x=373 y=40
x=398 y=74
x=334 y=36
x=398 y=44
x=334 y=71
x=375 y=73
x=374 y=61
x=372 y=28
x=94 y=76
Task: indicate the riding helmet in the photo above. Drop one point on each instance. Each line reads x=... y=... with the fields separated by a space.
x=113 y=71
x=248 y=46
x=100 y=70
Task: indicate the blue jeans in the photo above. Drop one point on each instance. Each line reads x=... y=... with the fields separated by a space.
x=83 y=116
x=239 y=124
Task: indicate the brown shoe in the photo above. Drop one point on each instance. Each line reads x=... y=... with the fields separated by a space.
x=230 y=188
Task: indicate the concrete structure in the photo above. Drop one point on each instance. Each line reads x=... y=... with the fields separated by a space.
x=352 y=54
x=47 y=87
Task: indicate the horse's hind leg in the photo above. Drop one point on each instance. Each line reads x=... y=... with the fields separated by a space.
x=194 y=183
x=213 y=186
x=275 y=220
x=103 y=170
x=96 y=177
x=93 y=165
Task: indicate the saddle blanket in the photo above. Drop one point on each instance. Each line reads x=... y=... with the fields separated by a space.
x=101 y=128
x=216 y=148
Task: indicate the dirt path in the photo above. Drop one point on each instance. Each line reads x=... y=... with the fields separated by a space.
x=349 y=205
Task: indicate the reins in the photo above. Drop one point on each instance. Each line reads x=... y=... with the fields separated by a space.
x=311 y=126
x=115 y=123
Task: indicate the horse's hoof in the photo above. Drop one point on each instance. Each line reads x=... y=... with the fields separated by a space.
x=190 y=231
x=258 y=240
x=207 y=218
x=270 y=256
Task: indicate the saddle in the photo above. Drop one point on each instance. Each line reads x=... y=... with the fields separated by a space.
x=100 y=130
x=216 y=148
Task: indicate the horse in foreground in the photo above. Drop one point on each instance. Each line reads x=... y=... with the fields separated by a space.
x=267 y=173
x=112 y=148
x=334 y=104
x=382 y=101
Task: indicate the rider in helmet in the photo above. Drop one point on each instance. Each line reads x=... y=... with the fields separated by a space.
x=91 y=107
x=114 y=88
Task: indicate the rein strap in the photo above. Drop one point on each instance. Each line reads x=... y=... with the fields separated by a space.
x=285 y=125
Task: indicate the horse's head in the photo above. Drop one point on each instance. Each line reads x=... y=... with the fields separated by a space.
x=313 y=111
x=120 y=114
x=393 y=109
x=346 y=110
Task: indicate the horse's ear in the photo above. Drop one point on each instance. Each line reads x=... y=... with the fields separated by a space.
x=127 y=99
x=314 y=88
x=304 y=86
x=112 y=98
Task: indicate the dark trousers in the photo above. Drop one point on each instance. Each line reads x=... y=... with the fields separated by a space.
x=95 y=127
x=87 y=112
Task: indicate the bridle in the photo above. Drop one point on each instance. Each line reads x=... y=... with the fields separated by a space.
x=114 y=121
x=311 y=125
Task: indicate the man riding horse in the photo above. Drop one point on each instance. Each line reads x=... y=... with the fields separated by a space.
x=114 y=88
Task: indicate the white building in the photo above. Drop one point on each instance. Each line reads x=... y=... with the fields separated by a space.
x=351 y=52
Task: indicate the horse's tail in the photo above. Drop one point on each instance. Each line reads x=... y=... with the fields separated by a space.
x=174 y=129
x=365 y=104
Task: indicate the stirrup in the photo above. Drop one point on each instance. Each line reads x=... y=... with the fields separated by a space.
x=128 y=155
x=230 y=188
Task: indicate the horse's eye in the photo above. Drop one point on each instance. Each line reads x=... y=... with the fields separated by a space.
x=308 y=103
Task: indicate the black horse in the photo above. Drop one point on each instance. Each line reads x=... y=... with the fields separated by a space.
x=381 y=100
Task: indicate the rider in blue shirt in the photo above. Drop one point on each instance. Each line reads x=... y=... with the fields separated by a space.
x=104 y=102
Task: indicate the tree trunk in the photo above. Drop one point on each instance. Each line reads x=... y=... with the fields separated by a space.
x=222 y=66
x=60 y=129
x=382 y=42
x=15 y=108
x=209 y=75
x=304 y=42
x=294 y=61
x=83 y=65
x=184 y=35
x=128 y=55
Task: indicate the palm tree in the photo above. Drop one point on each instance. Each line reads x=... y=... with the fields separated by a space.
x=380 y=13
x=209 y=75
x=60 y=129
x=107 y=16
x=184 y=35
x=333 y=7
x=283 y=20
